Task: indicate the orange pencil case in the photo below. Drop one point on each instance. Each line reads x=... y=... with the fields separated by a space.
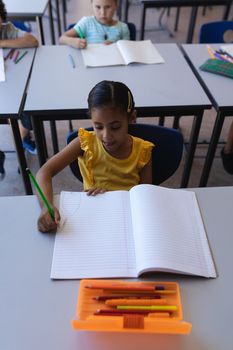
x=98 y=307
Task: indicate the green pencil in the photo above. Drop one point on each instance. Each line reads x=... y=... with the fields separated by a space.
x=22 y=56
x=80 y=33
x=42 y=196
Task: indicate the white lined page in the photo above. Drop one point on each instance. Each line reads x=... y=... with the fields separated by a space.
x=168 y=232
x=96 y=238
x=2 y=67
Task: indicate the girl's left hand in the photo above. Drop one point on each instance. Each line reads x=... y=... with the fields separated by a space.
x=107 y=42
x=94 y=191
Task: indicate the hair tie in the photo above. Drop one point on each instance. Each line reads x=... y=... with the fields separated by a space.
x=129 y=103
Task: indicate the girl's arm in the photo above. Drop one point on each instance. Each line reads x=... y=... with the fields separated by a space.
x=71 y=38
x=146 y=173
x=44 y=178
x=28 y=40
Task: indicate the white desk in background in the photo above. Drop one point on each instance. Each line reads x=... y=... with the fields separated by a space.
x=33 y=10
x=36 y=311
x=59 y=91
x=220 y=92
x=12 y=96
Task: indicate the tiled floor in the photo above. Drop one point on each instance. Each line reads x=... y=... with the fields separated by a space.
x=12 y=183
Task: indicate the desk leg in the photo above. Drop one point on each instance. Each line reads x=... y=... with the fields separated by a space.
x=64 y=10
x=212 y=148
x=21 y=156
x=41 y=31
x=191 y=149
x=143 y=15
x=126 y=10
x=54 y=136
x=51 y=22
x=177 y=19
x=226 y=12
x=192 y=22
x=58 y=17
x=39 y=139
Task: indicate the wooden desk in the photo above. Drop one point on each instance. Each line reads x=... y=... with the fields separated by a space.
x=36 y=311
x=28 y=10
x=12 y=96
x=57 y=91
x=146 y=4
x=219 y=90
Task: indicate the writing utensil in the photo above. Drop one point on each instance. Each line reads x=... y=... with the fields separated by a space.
x=225 y=56
x=22 y=56
x=121 y=312
x=137 y=302
x=80 y=33
x=225 y=53
x=71 y=60
x=147 y=307
x=127 y=296
x=8 y=55
x=42 y=196
x=210 y=51
x=16 y=56
x=11 y=53
x=121 y=287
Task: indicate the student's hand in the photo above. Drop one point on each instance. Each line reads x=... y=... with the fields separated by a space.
x=94 y=191
x=81 y=43
x=108 y=42
x=45 y=223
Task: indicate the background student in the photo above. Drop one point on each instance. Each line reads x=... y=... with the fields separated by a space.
x=12 y=37
x=227 y=152
x=109 y=158
x=100 y=28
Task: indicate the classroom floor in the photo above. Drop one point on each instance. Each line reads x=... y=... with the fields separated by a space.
x=12 y=183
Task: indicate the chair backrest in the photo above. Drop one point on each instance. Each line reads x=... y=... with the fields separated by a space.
x=21 y=25
x=216 y=32
x=131 y=26
x=166 y=154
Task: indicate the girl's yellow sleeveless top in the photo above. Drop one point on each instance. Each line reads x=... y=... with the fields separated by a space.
x=99 y=169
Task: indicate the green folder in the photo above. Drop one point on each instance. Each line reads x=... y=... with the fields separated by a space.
x=217 y=66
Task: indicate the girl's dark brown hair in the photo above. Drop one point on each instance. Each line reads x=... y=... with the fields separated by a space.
x=3 y=12
x=113 y=94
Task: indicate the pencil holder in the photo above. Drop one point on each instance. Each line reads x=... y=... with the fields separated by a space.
x=136 y=307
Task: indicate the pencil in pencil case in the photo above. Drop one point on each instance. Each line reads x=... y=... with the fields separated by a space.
x=219 y=67
x=97 y=311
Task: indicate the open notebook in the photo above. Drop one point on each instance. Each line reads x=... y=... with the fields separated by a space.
x=123 y=52
x=2 y=68
x=126 y=233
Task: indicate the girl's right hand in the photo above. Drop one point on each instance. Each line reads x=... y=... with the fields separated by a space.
x=81 y=43
x=45 y=223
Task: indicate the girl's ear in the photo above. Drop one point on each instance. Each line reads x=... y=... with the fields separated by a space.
x=133 y=117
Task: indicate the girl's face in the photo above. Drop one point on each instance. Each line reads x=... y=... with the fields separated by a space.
x=111 y=128
x=104 y=10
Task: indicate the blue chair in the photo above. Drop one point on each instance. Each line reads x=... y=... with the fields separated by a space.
x=213 y=32
x=22 y=26
x=166 y=154
x=131 y=26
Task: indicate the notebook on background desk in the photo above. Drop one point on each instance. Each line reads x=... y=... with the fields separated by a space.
x=127 y=233
x=123 y=52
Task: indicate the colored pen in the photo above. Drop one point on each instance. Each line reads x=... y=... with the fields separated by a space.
x=148 y=307
x=22 y=56
x=224 y=53
x=210 y=51
x=122 y=312
x=81 y=35
x=42 y=196
x=137 y=302
x=121 y=287
x=16 y=56
x=71 y=60
x=9 y=54
x=127 y=296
